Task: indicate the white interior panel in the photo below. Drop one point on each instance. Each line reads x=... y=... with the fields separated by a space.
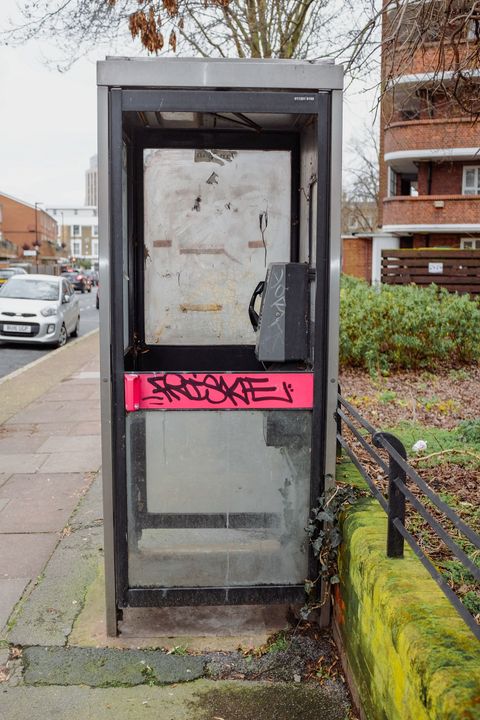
x=214 y=220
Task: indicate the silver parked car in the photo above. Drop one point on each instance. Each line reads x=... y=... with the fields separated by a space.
x=7 y=273
x=38 y=308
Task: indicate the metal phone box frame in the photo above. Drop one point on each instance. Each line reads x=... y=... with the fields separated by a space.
x=209 y=171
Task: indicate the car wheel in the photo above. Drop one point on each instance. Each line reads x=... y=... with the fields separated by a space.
x=62 y=338
x=77 y=328
x=90 y=289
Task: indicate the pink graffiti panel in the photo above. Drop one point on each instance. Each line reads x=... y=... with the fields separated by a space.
x=218 y=391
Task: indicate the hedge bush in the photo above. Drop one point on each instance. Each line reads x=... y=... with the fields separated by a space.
x=406 y=327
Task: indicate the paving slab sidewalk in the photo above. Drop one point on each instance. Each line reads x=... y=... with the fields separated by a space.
x=49 y=456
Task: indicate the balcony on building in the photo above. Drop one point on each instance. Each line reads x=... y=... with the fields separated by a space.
x=431 y=214
x=432 y=162
x=417 y=39
x=420 y=139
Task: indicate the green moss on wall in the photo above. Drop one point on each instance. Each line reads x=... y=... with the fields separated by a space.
x=411 y=655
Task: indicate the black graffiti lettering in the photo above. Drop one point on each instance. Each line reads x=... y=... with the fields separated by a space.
x=241 y=391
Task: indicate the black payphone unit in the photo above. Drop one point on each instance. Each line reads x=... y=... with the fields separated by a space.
x=282 y=325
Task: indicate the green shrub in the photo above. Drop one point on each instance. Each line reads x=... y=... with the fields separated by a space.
x=406 y=327
x=469 y=431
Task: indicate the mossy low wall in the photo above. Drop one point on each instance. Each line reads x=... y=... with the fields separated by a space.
x=408 y=653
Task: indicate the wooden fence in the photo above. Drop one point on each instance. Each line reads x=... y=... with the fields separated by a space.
x=455 y=270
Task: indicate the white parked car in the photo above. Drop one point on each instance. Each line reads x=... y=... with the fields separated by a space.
x=39 y=309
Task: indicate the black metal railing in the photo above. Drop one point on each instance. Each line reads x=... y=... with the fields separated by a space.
x=397 y=469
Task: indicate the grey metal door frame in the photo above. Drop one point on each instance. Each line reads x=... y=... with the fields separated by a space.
x=118 y=101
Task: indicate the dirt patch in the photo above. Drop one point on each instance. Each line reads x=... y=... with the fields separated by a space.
x=442 y=399
x=303 y=653
x=296 y=674
x=263 y=702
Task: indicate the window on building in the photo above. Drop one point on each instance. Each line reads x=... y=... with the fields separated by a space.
x=95 y=248
x=76 y=247
x=410 y=113
x=408 y=184
x=403 y=184
x=94 y=230
x=470 y=243
x=471 y=180
x=473 y=30
x=392 y=182
x=76 y=229
x=427 y=102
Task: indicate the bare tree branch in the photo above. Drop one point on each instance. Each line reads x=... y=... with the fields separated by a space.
x=362 y=180
x=414 y=37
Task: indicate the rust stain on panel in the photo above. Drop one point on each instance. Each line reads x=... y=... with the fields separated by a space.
x=255 y=244
x=201 y=251
x=162 y=243
x=210 y=307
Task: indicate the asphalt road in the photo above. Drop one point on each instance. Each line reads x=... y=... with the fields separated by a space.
x=13 y=357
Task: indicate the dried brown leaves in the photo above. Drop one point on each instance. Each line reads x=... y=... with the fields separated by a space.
x=147 y=27
x=146 y=23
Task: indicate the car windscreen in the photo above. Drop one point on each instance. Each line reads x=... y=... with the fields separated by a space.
x=6 y=273
x=30 y=289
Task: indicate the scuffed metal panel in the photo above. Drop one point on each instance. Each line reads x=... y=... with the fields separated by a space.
x=214 y=220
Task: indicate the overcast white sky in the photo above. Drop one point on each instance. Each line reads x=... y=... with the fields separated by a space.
x=48 y=121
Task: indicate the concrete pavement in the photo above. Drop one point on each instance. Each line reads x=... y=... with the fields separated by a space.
x=50 y=453
x=199 y=700
x=57 y=661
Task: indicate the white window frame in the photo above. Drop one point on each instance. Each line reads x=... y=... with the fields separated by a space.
x=476 y=188
x=94 y=247
x=473 y=243
x=76 y=246
x=392 y=182
x=76 y=231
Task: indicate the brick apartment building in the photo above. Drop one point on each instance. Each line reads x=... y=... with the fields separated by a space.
x=8 y=250
x=429 y=146
x=28 y=232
